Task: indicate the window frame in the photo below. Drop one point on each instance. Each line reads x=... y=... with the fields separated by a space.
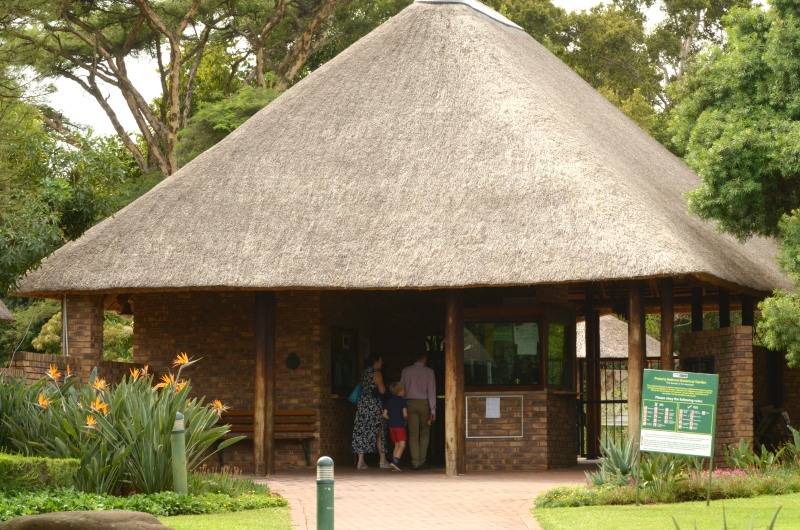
x=503 y=315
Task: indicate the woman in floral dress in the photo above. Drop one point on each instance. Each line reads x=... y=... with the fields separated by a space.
x=369 y=423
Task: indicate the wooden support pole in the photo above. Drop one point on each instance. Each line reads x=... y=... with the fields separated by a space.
x=667 y=325
x=748 y=316
x=724 y=308
x=264 y=402
x=592 y=329
x=697 y=309
x=636 y=356
x=454 y=430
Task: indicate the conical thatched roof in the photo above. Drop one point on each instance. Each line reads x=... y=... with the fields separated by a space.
x=613 y=339
x=445 y=148
x=5 y=314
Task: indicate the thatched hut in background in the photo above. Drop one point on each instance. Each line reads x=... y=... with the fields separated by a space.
x=5 y=314
x=444 y=174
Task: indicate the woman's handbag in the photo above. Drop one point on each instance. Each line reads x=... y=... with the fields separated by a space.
x=355 y=394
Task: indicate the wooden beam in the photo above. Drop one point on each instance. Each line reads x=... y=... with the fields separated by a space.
x=724 y=308
x=454 y=431
x=697 y=309
x=592 y=329
x=667 y=324
x=636 y=356
x=747 y=310
x=264 y=402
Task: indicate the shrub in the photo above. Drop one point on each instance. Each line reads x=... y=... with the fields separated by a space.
x=19 y=472
x=18 y=334
x=228 y=480
x=159 y=504
x=567 y=497
x=743 y=457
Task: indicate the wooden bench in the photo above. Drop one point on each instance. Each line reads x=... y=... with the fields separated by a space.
x=300 y=425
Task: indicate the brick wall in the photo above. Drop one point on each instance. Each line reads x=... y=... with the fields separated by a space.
x=562 y=430
x=219 y=328
x=732 y=349
x=33 y=366
x=535 y=431
x=85 y=332
x=298 y=330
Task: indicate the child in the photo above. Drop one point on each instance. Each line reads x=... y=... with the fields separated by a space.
x=396 y=411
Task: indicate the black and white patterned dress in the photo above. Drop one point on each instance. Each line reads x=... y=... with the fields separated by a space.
x=369 y=416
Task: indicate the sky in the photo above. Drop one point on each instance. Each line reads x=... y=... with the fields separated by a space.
x=81 y=108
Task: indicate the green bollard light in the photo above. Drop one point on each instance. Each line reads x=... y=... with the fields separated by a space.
x=325 y=493
x=179 y=482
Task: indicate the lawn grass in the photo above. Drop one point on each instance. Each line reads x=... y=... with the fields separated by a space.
x=267 y=519
x=688 y=514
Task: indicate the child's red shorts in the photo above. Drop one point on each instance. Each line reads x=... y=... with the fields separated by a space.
x=398 y=434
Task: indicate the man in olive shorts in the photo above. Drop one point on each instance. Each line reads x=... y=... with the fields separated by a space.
x=420 y=386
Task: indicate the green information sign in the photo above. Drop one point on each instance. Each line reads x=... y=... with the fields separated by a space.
x=679 y=412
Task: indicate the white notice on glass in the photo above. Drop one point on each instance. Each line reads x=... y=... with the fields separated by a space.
x=492 y=407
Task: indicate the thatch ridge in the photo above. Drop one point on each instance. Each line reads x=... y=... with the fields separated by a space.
x=444 y=149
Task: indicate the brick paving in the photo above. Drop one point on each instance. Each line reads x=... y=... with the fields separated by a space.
x=376 y=498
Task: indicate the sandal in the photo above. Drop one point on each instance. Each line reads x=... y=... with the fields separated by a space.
x=362 y=465
x=385 y=465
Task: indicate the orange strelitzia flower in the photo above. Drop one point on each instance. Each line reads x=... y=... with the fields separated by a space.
x=145 y=370
x=219 y=408
x=99 y=406
x=181 y=359
x=69 y=372
x=179 y=385
x=43 y=401
x=135 y=373
x=90 y=421
x=166 y=380
x=100 y=384
x=53 y=372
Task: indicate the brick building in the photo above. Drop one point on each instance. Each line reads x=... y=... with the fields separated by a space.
x=445 y=184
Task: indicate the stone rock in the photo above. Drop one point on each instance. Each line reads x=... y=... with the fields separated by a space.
x=85 y=520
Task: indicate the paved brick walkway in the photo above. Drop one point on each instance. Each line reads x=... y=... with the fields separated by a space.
x=376 y=498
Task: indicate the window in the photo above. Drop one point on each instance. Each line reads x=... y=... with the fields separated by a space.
x=559 y=357
x=344 y=360
x=502 y=354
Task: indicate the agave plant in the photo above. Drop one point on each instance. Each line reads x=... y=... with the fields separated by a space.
x=617 y=463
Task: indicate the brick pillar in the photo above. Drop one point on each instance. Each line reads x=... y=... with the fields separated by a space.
x=85 y=332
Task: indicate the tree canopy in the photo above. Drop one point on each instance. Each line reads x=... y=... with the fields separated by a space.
x=738 y=126
x=92 y=44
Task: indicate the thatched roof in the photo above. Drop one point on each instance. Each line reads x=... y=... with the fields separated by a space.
x=613 y=339
x=445 y=148
x=5 y=314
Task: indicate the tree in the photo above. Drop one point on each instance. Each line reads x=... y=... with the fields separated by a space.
x=687 y=26
x=91 y=43
x=52 y=191
x=737 y=122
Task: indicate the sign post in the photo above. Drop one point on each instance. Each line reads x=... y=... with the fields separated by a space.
x=679 y=414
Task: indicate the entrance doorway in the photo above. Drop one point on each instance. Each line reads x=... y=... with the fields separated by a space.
x=613 y=402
